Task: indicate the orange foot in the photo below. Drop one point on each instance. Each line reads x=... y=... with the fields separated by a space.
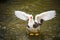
x=31 y=34
x=37 y=34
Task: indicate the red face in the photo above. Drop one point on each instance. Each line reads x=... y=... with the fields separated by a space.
x=30 y=17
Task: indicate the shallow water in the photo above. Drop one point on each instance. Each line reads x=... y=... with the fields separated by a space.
x=12 y=28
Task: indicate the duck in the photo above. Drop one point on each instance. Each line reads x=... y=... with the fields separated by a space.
x=35 y=24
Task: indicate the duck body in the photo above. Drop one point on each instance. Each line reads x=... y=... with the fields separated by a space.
x=34 y=25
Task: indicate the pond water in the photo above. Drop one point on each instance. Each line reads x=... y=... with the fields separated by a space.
x=12 y=28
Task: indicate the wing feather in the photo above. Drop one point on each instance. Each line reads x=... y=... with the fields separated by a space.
x=48 y=15
x=22 y=15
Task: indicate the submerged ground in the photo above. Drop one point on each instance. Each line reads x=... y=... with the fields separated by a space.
x=12 y=28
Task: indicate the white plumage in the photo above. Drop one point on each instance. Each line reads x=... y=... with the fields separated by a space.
x=45 y=16
x=22 y=15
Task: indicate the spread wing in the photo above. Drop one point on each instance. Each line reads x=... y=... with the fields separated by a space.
x=48 y=15
x=22 y=15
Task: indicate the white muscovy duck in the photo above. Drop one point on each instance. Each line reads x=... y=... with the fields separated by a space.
x=34 y=25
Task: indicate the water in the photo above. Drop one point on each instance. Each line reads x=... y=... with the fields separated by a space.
x=12 y=28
